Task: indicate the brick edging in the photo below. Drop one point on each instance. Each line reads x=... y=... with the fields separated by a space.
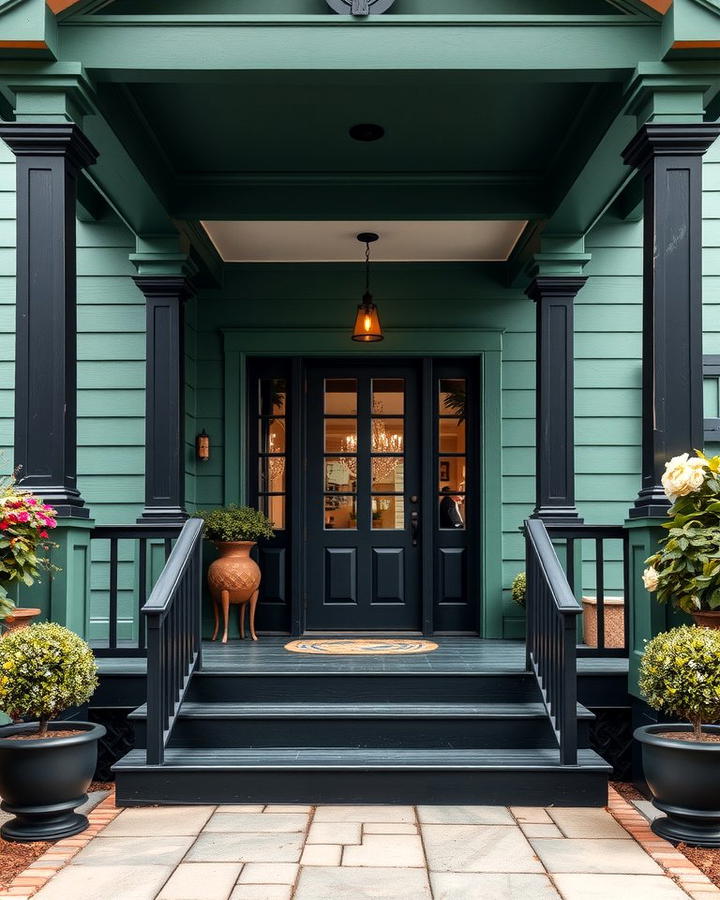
x=38 y=873
x=687 y=875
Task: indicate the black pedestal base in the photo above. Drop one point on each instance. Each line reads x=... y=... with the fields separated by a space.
x=44 y=823
x=687 y=826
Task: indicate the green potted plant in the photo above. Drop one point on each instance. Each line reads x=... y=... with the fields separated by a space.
x=235 y=576
x=46 y=766
x=518 y=589
x=25 y=523
x=686 y=569
x=680 y=676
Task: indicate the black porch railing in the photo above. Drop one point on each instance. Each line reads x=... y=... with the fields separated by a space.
x=174 y=636
x=605 y=567
x=124 y=560
x=552 y=612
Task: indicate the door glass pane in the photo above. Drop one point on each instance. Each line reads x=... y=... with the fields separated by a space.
x=272 y=474
x=388 y=435
x=451 y=436
x=388 y=396
x=273 y=396
x=388 y=473
x=388 y=513
x=341 y=474
x=272 y=435
x=341 y=436
x=453 y=392
x=451 y=474
x=274 y=509
x=341 y=396
x=451 y=510
x=340 y=512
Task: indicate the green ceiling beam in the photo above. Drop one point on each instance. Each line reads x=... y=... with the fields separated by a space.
x=368 y=197
x=62 y=92
x=657 y=93
x=115 y=47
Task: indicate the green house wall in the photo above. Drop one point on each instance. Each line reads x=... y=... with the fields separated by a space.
x=111 y=365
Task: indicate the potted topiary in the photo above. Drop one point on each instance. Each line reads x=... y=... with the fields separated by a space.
x=45 y=767
x=24 y=525
x=680 y=675
x=686 y=569
x=235 y=576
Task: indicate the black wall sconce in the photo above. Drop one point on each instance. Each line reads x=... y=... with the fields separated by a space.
x=202 y=446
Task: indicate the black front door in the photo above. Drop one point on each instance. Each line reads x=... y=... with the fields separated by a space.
x=363 y=498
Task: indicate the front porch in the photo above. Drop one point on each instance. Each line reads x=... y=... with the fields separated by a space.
x=185 y=233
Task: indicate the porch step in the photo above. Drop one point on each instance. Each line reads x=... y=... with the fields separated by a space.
x=377 y=775
x=363 y=687
x=417 y=725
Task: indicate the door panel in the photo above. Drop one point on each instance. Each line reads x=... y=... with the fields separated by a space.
x=363 y=482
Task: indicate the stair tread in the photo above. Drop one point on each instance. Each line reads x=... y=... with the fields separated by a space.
x=362 y=710
x=352 y=758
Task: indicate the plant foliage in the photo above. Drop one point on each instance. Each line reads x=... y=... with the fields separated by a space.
x=44 y=670
x=686 y=569
x=24 y=525
x=236 y=523
x=519 y=588
x=680 y=675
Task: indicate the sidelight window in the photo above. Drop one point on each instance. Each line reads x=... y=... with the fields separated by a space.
x=272 y=455
x=451 y=457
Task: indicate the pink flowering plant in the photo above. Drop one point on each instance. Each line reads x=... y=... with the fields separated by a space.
x=25 y=526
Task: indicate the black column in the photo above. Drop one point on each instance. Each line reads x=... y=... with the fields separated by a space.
x=555 y=407
x=164 y=390
x=48 y=160
x=669 y=157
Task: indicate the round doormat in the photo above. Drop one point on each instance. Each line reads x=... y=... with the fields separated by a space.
x=361 y=646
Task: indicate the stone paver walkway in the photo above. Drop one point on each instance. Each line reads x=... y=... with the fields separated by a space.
x=382 y=852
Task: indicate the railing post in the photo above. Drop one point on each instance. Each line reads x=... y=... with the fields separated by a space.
x=155 y=699
x=569 y=729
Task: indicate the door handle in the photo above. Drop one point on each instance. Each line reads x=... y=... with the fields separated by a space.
x=414 y=527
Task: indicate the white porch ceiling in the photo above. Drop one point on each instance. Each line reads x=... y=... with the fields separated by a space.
x=293 y=242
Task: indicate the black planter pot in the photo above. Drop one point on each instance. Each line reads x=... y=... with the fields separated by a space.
x=42 y=781
x=683 y=779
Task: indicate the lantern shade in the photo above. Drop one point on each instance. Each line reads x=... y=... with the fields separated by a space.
x=367 y=322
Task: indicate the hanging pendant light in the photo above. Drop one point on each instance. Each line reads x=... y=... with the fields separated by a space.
x=367 y=320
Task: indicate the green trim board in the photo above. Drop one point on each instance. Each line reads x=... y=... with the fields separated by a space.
x=486 y=344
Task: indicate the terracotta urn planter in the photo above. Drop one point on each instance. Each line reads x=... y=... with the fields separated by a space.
x=20 y=618
x=707 y=618
x=234 y=578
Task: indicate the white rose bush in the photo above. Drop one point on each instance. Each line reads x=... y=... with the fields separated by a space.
x=686 y=569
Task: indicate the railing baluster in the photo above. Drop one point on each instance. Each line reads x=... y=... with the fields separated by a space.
x=142 y=591
x=600 y=592
x=113 y=596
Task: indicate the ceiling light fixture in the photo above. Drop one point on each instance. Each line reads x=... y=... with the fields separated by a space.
x=367 y=321
x=367 y=132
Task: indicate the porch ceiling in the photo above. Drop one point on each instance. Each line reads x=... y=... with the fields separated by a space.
x=275 y=146
x=337 y=241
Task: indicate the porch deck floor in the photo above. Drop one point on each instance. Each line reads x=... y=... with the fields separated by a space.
x=455 y=655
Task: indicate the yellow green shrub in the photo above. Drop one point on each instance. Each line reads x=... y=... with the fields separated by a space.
x=44 y=670
x=680 y=674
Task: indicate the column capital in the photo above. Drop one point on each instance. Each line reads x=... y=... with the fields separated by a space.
x=64 y=139
x=669 y=139
x=555 y=286
x=165 y=286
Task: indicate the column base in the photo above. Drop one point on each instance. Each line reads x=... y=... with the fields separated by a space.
x=163 y=515
x=66 y=502
x=558 y=515
x=651 y=503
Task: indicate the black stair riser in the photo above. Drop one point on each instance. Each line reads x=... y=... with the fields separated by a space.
x=569 y=787
x=300 y=732
x=498 y=688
